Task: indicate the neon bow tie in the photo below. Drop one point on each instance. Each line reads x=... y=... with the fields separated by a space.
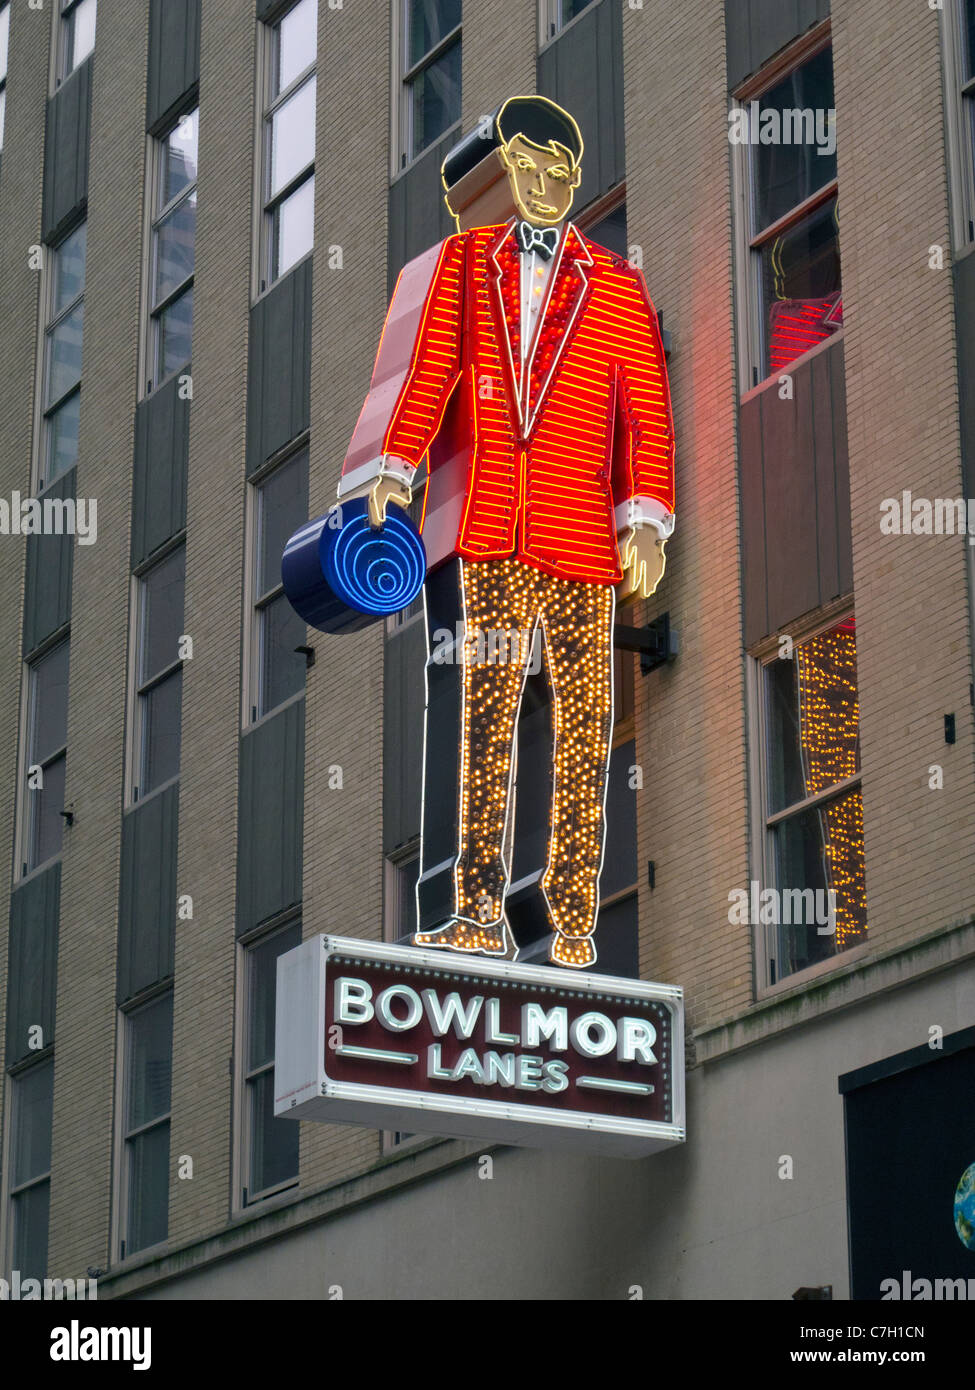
x=535 y=239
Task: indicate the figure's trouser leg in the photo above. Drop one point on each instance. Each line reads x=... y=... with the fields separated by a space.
x=578 y=623
x=499 y=598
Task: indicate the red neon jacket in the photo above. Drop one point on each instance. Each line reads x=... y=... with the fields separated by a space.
x=545 y=464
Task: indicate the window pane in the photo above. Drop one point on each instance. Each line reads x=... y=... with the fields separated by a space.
x=611 y=232
x=149 y=1062
x=801 y=287
x=81 y=33
x=162 y=708
x=49 y=714
x=261 y=984
x=64 y=355
x=180 y=157
x=570 y=8
x=820 y=850
x=3 y=113
x=429 y=22
x=970 y=38
x=31 y=1211
x=791 y=169
x=295 y=44
x=176 y=334
x=406 y=877
x=69 y=268
x=33 y=1093
x=813 y=717
x=62 y=438
x=46 y=821
x=282 y=508
x=175 y=240
x=4 y=40
x=148 y=1176
x=294 y=228
x=435 y=98
x=274 y=1142
x=292 y=137
x=282 y=668
x=162 y=614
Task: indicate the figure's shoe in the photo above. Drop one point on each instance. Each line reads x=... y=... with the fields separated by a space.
x=574 y=951
x=459 y=934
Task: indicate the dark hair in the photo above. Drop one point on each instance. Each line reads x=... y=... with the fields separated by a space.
x=537 y=119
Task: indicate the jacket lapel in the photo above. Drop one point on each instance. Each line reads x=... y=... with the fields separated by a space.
x=504 y=270
x=567 y=288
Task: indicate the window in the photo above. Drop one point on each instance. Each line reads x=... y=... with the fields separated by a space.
x=556 y=14
x=4 y=57
x=959 y=32
x=429 y=92
x=173 y=179
x=147 y=1073
x=32 y=1098
x=792 y=218
x=813 y=808
x=64 y=332
x=47 y=737
x=77 y=34
x=270 y=1145
x=158 y=673
x=402 y=873
x=280 y=505
x=289 y=141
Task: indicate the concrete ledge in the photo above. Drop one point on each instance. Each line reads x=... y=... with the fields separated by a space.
x=874 y=974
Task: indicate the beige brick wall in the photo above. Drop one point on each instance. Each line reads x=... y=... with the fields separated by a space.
x=912 y=599
x=690 y=718
x=343 y=827
x=21 y=183
x=84 y=1065
x=205 y=950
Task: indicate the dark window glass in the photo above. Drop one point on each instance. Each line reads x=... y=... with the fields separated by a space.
x=63 y=425
x=48 y=736
x=791 y=170
x=273 y=1153
x=49 y=732
x=163 y=589
x=162 y=709
x=148 y=1179
x=282 y=667
x=970 y=38
x=34 y=1106
x=31 y=1216
x=176 y=333
x=435 y=98
x=46 y=822
x=150 y=1062
x=69 y=268
x=175 y=247
x=282 y=508
x=610 y=231
x=430 y=21
x=617 y=939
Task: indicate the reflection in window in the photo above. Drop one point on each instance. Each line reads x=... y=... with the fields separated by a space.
x=77 y=33
x=794 y=233
x=813 y=803
x=62 y=357
x=173 y=249
x=289 y=140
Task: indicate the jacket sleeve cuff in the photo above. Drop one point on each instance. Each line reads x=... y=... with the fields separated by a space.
x=363 y=478
x=645 y=511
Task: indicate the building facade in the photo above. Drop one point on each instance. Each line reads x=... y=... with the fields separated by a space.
x=203 y=210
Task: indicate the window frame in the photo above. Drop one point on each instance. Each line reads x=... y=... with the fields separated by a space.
x=252 y=711
x=551 y=25
x=959 y=126
x=266 y=205
x=122 y=1134
x=5 y=7
x=244 y=1074
x=50 y=321
x=763 y=823
x=138 y=688
x=151 y=378
x=404 y=75
x=63 y=19
x=749 y=243
x=23 y=868
x=10 y=1190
